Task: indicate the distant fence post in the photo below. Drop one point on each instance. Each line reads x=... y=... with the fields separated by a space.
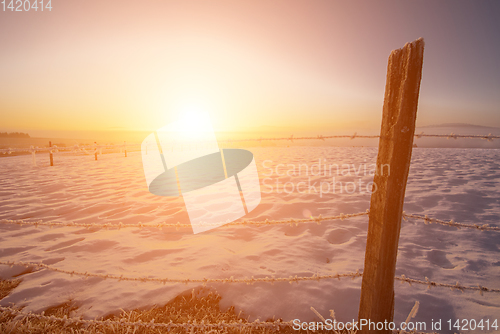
x=125 y=147
x=33 y=152
x=51 y=156
x=95 y=150
x=404 y=71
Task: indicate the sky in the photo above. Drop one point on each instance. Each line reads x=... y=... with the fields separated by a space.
x=321 y=64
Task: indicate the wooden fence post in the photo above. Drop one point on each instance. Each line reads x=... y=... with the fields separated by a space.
x=51 y=155
x=125 y=147
x=95 y=150
x=33 y=152
x=404 y=71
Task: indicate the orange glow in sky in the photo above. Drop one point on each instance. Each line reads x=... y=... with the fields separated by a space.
x=103 y=65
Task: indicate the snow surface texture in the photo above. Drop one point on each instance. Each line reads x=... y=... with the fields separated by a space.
x=458 y=184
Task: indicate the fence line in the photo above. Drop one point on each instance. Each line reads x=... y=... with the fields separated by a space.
x=292 y=138
x=489 y=137
x=452 y=135
x=456 y=286
x=291 y=221
x=252 y=280
x=56 y=149
x=428 y=220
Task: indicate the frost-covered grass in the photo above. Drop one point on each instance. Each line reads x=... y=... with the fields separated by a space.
x=186 y=307
x=6 y=286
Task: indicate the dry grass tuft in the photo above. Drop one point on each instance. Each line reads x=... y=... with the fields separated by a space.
x=6 y=286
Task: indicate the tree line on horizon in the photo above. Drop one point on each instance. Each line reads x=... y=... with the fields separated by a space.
x=14 y=135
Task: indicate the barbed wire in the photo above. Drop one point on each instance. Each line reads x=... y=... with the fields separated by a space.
x=75 y=148
x=292 y=138
x=54 y=148
x=428 y=220
x=276 y=324
x=291 y=279
x=252 y=280
x=452 y=135
x=456 y=286
x=290 y=221
x=489 y=137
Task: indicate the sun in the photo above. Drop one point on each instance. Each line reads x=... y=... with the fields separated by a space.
x=194 y=124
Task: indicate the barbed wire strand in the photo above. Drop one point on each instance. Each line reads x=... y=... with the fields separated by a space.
x=55 y=149
x=292 y=138
x=428 y=220
x=452 y=135
x=75 y=148
x=489 y=137
x=457 y=286
x=290 y=221
x=252 y=280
